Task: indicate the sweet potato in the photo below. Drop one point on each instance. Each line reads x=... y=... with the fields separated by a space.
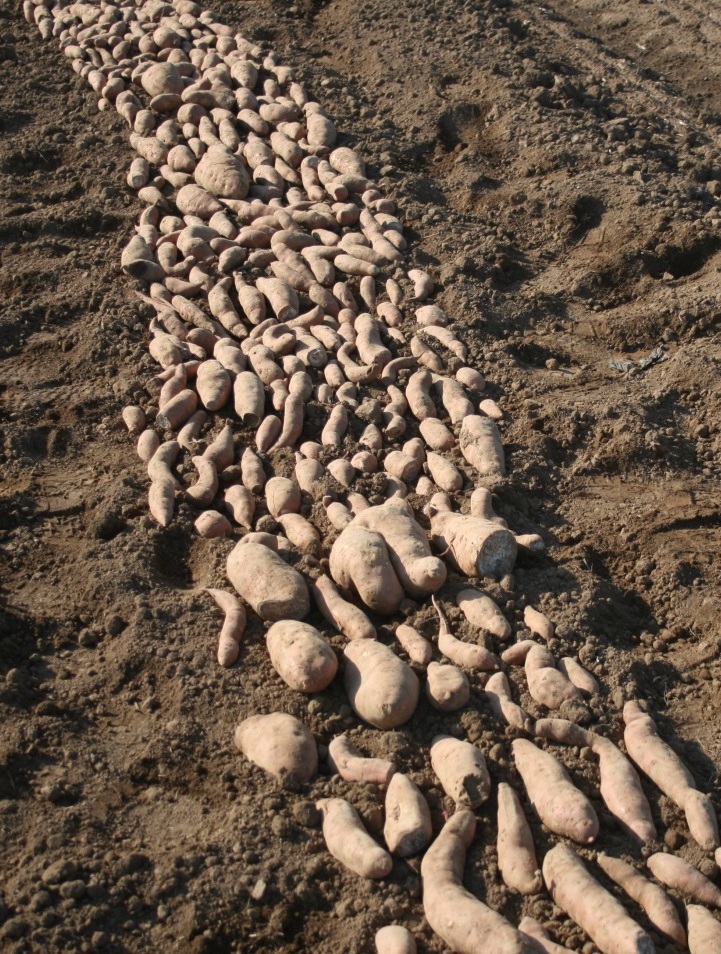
x=444 y=473
x=281 y=297
x=546 y=684
x=301 y=533
x=498 y=693
x=461 y=769
x=536 y=931
x=394 y=939
x=516 y=853
x=249 y=398
x=241 y=504
x=593 y=908
x=482 y=612
x=203 y=491
x=408 y=827
x=148 y=443
x=212 y=524
x=233 y=626
x=221 y=451
x=538 y=623
x=190 y=431
x=704 y=931
x=558 y=803
x=282 y=496
x=222 y=174
x=345 y=617
x=268 y=433
x=381 y=688
x=279 y=744
x=359 y=562
x=477 y=547
x=134 y=419
x=465 y=924
x=659 y=908
x=419 y=572
x=676 y=873
x=580 y=677
x=663 y=766
x=177 y=410
x=161 y=496
x=418 y=396
x=349 y=842
x=469 y=655
x=436 y=435
x=454 y=400
x=300 y=656
x=345 y=759
x=447 y=687
x=419 y=650
x=621 y=789
x=335 y=427
x=251 y=472
x=275 y=590
x=480 y=444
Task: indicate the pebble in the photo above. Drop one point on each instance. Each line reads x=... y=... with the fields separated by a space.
x=59 y=872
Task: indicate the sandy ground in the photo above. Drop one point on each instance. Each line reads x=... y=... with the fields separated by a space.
x=558 y=169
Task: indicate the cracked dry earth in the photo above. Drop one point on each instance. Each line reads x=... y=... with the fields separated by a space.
x=558 y=172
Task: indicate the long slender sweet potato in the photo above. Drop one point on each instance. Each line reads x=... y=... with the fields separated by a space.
x=676 y=873
x=233 y=626
x=465 y=924
x=381 y=688
x=516 y=853
x=419 y=650
x=593 y=908
x=558 y=803
x=470 y=655
x=659 y=908
x=349 y=842
x=621 y=789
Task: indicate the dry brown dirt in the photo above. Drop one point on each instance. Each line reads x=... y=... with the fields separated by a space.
x=558 y=169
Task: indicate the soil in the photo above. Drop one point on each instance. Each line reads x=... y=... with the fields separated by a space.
x=558 y=171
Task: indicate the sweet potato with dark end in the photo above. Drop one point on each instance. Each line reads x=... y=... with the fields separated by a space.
x=233 y=626
x=676 y=873
x=593 y=908
x=562 y=807
x=516 y=852
x=345 y=759
x=360 y=563
x=344 y=616
x=279 y=744
x=461 y=769
x=465 y=924
x=408 y=827
x=477 y=547
x=300 y=656
x=274 y=590
x=381 y=688
x=349 y=842
x=659 y=908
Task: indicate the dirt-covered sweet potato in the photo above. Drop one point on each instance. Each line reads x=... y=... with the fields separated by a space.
x=381 y=688
x=300 y=656
x=275 y=590
x=280 y=744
